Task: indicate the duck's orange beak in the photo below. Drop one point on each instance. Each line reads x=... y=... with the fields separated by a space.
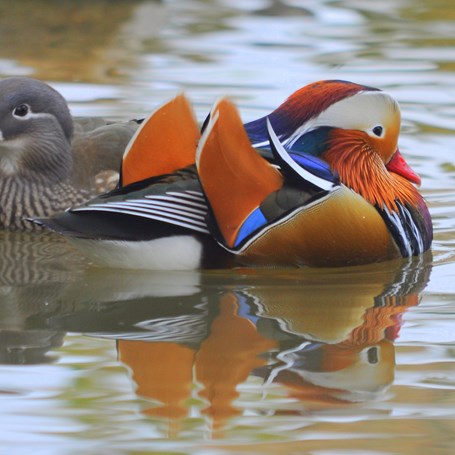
x=398 y=165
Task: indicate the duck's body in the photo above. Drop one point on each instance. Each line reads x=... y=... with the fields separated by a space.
x=48 y=160
x=310 y=212
x=333 y=190
x=157 y=222
x=157 y=225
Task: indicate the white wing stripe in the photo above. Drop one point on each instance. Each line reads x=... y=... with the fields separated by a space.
x=150 y=208
x=196 y=195
x=201 y=211
x=123 y=208
x=187 y=209
x=177 y=199
x=160 y=216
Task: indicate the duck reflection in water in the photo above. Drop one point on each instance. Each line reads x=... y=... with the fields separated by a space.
x=327 y=338
x=33 y=276
x=194 y=342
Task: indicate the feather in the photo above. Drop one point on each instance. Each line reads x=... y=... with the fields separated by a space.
x=407 y=226
x=301 y=107
x=295 y=169
x=164 y=142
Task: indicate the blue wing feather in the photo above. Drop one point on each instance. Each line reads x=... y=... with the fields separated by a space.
x=255 y=220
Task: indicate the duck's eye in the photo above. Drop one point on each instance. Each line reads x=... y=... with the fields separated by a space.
x=373 y=355
x=377 y=130
x=21 y=111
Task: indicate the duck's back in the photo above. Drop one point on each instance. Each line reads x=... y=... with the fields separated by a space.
x=98 y=147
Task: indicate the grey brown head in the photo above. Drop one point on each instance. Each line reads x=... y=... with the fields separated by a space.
x=48 y=160
x=35 y=131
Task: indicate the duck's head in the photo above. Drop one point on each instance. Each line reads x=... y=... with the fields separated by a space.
x=35 y=131
x=353 y=127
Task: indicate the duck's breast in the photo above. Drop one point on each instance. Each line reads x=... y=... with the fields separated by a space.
x=341 y=229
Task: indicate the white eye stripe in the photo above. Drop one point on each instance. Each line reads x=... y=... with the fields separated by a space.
x=361 y=111
x=31 y=115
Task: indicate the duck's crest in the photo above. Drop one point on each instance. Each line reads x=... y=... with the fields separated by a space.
x=302 y=106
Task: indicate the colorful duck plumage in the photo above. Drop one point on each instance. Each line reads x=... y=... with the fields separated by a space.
x=319 y=182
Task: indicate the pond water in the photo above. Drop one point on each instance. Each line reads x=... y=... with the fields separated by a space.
x=350 y=360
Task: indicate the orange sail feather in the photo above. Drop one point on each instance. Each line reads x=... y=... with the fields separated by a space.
x=165 y=142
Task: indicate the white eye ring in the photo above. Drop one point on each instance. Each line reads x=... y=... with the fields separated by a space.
x=21 y=111
x=378 y=130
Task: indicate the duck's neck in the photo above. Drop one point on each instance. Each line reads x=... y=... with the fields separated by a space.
x=44 y=159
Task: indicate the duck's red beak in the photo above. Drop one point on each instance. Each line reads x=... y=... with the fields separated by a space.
x=398 y=165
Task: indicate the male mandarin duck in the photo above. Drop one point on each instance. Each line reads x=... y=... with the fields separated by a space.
x=318 y=182
x=48 y=160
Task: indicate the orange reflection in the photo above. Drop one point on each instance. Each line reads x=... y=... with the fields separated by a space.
x=163 y=371
x=329 y=343
x=355 y=369
x=226 y=359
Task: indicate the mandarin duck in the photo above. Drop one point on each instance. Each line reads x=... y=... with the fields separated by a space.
x=318 y=182
x=48 y=160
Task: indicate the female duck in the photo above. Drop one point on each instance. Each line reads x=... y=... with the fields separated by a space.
x=48 y=160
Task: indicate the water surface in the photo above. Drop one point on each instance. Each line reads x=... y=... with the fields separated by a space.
x=350 y=360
